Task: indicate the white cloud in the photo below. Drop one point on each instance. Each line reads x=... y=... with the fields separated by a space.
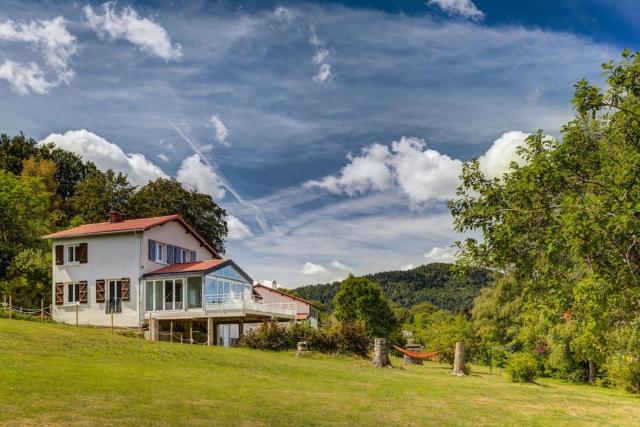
x=194 y=173
x=144 y=33
x=320 y=59
x=49 y=37
x=107 y=155
x=407 y=267
x=496 y=160
x=237 y=229
x=437 y=254
x=283 y=14
x=222 y=133
x=163 y=157
x=465 y=8
x=310 y=268
x=339 y=266
x=24 y=79
x=366 y=172
x=423 y=174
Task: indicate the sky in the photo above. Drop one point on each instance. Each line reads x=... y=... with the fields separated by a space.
x=332 y=132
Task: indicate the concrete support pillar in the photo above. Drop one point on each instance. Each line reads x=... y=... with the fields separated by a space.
x=210 y=331
x=240 y=329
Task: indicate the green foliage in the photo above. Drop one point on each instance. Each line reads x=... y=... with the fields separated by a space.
x=100 y=193
x=624 y=373
x=522 y=368
x=435 y=283
x=360 y=300
x=168 y=196
x=440 y=330
x=342 y=338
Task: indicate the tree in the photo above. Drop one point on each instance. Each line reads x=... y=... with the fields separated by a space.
x=100 y=193
x=24 y=205
x=440 y=330
x=360 y=300
x=70 y=169
x=566 y=222
x=168 y=196
x=15 y=150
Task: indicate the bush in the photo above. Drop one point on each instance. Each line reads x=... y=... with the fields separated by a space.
x=268 y=336
x=625 y=373
x=351 y=339
x=522 y=368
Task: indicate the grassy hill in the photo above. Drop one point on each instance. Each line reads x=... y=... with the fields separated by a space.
x=434 y=283
x=59 y=375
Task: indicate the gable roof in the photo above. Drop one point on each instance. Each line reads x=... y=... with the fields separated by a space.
x=129 y=225
x=198 y=267
x=260 y=285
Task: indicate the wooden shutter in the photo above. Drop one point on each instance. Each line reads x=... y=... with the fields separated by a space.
x=124 y=291
x=59 y=293
x=100 y=290
x=152 y=250
x=170 y=249
x=59 y=254
x=83 y=298
x=83 y=257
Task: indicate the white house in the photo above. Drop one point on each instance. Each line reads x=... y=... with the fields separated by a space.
x=157 y=271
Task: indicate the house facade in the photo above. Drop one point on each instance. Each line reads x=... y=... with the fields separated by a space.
x=157 y=272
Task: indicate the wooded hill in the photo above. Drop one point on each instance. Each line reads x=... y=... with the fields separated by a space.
x=435 y=283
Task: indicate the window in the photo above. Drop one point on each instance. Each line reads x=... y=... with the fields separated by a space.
x=159 y=252
x=164 y=295
x=73 y=292
x=72 y=254
x=194 y=292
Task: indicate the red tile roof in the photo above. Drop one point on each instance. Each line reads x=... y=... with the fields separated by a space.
x=260 y=285
x=302 y=316
x=128 y=225
x=189 y=267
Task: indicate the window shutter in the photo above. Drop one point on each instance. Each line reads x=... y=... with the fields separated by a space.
x=124 y=291
x=83 y=253
x=83 y=298
x=59 y=293
x=100 y=290
x=59 y=254
x=152 y=250
x=170 y=250
x=193 y=256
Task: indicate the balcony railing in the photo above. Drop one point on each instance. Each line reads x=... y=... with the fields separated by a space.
x=222 y=302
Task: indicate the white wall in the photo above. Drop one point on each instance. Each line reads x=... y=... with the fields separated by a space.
x=172 y=233
x=271 y=296
x=112 y=256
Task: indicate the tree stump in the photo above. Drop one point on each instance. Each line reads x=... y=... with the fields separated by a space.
x=381 y=353
x=458 y=361
x=303 y=349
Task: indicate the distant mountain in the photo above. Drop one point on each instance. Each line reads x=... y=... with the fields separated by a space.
x=435 y=283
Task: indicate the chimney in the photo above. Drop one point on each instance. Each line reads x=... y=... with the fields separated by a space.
x=274 y=285
x=115 y=216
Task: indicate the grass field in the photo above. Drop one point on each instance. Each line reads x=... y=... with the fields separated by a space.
x=59 y=375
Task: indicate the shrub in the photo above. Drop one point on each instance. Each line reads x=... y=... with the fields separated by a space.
x=299 y=331
x=522 y=368
x=269 y=335
x=351 y=339
x=625 y=373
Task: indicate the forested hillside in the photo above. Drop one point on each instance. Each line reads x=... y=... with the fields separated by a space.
x=435 y=283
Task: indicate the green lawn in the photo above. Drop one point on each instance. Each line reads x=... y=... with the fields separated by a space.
x=57 y=374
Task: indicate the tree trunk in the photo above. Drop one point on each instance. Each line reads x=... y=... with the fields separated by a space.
x=381 y=353
x=458 y=361
x=592 y=372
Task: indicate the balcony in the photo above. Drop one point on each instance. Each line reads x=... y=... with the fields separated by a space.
x=221 y=303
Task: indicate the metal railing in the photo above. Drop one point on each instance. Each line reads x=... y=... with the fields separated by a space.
x=226 y=302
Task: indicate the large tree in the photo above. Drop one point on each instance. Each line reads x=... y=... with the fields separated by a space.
x=360 y=300
x=100 y=193
x=565 y=223
x=168 y=196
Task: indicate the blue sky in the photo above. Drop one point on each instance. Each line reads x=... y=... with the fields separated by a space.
x=333 y=132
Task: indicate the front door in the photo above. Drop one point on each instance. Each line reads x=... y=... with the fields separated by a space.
x=114 y=302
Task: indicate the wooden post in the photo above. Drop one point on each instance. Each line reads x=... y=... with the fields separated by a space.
x=458 y=362
x=180 y=337
x=112 y=320
x=190 y=333
x=10 y=312
x=171 y=331
x=41 y=309
x=77 y=313
x=381 y=353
